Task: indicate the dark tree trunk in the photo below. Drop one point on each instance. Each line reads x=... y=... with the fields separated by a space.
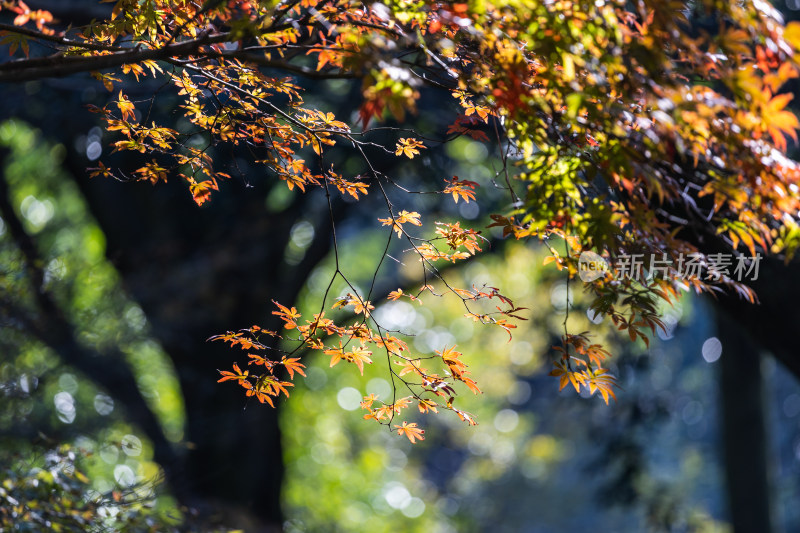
x=744 y=434
x=197 y=272
x=234 y=465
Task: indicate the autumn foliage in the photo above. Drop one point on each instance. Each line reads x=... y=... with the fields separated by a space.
x=655 y=127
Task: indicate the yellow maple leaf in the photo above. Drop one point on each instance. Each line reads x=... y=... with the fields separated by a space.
x=408 y=147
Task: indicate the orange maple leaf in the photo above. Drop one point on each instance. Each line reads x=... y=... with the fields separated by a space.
x=408 y=147
x=237 y=374
x=411 y=431
x=126 y=107
x=293 y=366
x=201 y=192
x=359 y=355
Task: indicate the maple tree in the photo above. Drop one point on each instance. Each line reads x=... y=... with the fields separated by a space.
x=625 y=130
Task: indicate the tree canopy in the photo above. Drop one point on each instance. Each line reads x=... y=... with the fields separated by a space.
x=651 y=130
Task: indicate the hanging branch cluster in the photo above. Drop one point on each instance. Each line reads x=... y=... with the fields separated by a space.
x=358 y=342
x=645 y=128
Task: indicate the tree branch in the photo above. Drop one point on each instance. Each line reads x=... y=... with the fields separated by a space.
x=269 y=63
x=57 y=65
x=56 y=38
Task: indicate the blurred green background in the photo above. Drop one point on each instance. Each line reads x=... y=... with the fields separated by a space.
x=539 y=460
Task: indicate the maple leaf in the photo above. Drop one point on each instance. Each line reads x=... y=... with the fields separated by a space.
x=395 y=295
x=427 y=405
x=380 y=413
x=411 y=366
x=293 y=366
x=466 y=417
x=287 y=315
x=568 y=376
x=15 y=40
x=599 y=380
x=273 y=386
x=400 y=404
x=463 y=188
x=260 y=395
x=398 y=221
x=465 y=125
x=367 y=402
x=337 y=354
x=373 y=106
x=456 y=236
x=259 y=360
x=408 y=147
x=360 y=306
x=373 y=415
x=237 y=374
x=596 y=354
x=100 y=170
x=201 y=192
x=329 y=119
x=410 y=217
x=471 y=384
x=348 y=187
x=325 y=56
x=358 y=355
x=294 y=180
x=126 y=107
x=450 y=356
x=411 y=431
x=779 y=120
x=481 y=111
x=137 y=70
x=392 y=344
